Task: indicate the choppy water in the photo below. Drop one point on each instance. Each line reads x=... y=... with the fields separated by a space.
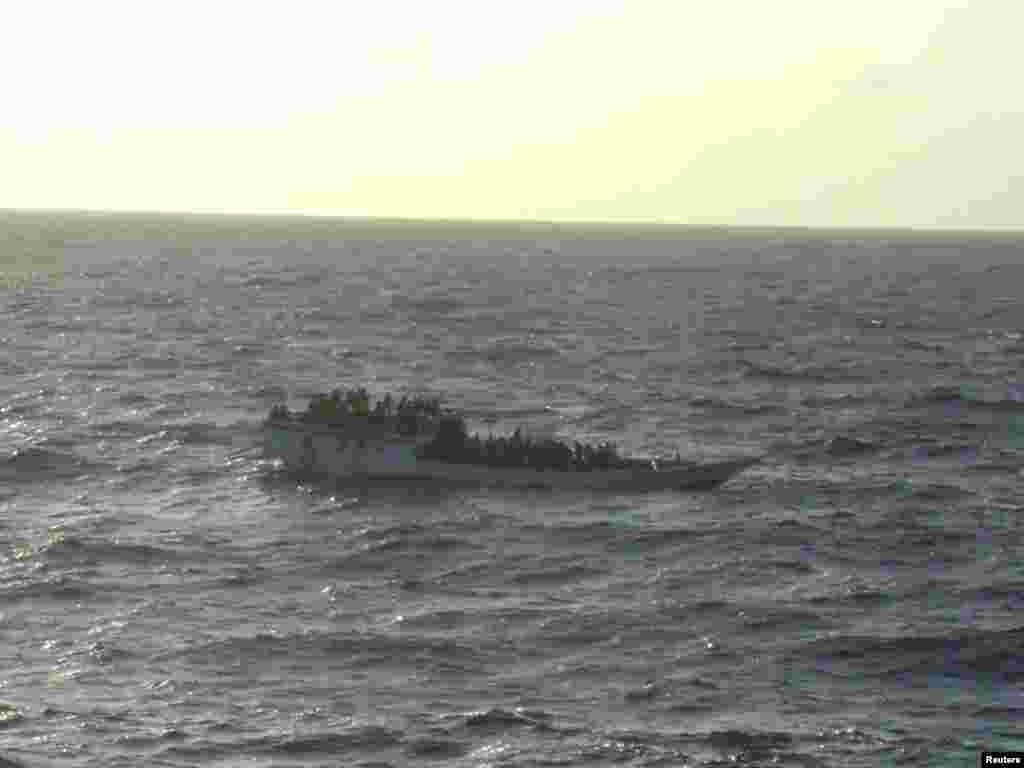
x=164 y=601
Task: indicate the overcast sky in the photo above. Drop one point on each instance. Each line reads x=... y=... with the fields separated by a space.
x=833 y=113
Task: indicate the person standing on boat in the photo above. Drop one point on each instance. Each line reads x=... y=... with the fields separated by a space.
x=359 y=402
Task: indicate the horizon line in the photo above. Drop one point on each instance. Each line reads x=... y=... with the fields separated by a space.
x=524 y=223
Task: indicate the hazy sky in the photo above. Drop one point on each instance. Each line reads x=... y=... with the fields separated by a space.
x=748 y=112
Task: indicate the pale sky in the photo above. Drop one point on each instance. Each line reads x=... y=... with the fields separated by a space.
x=830 y=113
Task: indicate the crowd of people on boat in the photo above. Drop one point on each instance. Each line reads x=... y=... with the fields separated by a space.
x=407 y=416
x=453 y=443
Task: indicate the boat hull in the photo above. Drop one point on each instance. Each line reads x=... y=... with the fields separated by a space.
x=705 y=477
x=325 y=455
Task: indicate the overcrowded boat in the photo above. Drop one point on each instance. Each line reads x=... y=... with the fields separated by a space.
x=415 y=441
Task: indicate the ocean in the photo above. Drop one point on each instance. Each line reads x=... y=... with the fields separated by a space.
x=166 y=599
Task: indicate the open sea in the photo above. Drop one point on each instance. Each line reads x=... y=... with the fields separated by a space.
x=166 y=600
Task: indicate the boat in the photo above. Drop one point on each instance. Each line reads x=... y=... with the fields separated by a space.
x=345 y=442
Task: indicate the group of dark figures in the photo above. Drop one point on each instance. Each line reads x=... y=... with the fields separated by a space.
x=408 y=416
x=451 y=442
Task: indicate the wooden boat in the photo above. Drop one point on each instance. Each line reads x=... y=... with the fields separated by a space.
x=356 y=450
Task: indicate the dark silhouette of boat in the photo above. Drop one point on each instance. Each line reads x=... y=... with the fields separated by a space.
x=415 y=442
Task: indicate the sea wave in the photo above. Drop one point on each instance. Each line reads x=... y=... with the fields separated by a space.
x=721 y=406
x=31 y=465
x=59 y=587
